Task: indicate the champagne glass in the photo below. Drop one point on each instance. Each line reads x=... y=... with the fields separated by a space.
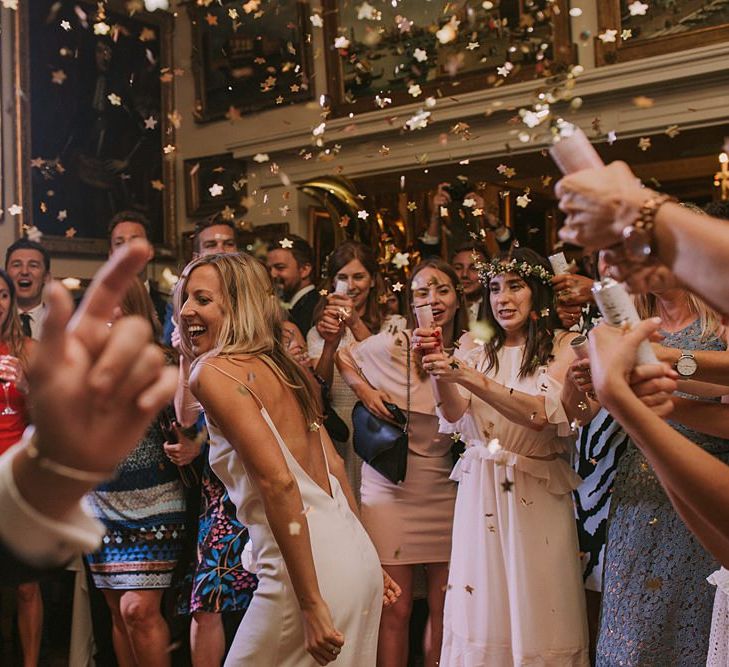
x=7 y=410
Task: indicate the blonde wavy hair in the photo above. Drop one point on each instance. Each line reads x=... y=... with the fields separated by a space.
x=710 y=320
x=252 y=324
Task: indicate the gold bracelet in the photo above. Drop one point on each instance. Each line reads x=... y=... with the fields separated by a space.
x=60 y=469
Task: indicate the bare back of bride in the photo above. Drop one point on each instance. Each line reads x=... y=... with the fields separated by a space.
x=320 y=590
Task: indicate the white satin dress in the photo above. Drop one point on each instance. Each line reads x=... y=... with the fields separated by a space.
x=271 y=633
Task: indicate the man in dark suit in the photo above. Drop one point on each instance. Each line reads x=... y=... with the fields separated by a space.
x=128 y=225
x=290 y=263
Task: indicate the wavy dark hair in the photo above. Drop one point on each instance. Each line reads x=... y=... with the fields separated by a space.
x=344 y=254
x=540 y=327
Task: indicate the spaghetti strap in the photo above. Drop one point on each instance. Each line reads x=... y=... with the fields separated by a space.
x=258 y=401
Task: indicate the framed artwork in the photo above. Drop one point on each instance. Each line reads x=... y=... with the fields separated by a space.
x=215 y=184
x=100 y=131
x=635 y=30
x=394 y=54
x=321 y=235
x=246 y=61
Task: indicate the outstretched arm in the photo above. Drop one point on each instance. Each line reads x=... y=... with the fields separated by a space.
x=696 y=482
x=600 y=203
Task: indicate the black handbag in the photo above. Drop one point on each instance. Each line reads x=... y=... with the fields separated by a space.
x=380 y=443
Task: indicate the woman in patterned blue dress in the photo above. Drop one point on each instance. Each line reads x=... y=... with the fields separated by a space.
x=657 y=606
x=143 y=509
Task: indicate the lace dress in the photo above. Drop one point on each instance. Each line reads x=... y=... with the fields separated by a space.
x=719 y=640
x=656 y=605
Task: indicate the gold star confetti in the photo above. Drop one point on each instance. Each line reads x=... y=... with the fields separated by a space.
x=412 y=206
x=672 y=131
x=626 y=34
x=168 y=149
x=158 y=185
x=507 y=485
x=70 y=232
x=344 y=220
x=469 y=589
x=644 y=143
x=114 y=99
x=147 y=35
x=643 y=102
x=233 y=113
x=211 y=19
x=654 y=583
x=58 y=77
x=397 y=287
x=507 y=172
x=286 y=244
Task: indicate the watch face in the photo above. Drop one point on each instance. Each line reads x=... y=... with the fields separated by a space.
x=686 y=366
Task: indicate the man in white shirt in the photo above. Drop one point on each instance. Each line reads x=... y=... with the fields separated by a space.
x=29 y=266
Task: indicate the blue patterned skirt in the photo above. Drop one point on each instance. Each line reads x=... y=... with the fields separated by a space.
x=143 y=510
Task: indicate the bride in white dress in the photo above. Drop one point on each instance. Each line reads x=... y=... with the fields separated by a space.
x=320 y=591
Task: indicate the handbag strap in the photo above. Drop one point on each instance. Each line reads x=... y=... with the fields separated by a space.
x=407 y=414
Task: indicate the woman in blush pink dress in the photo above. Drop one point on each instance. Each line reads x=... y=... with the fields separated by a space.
x=410 y=523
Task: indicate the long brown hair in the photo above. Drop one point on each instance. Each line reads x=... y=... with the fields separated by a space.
x=344 y=254
x=540 y=325
x=460 y=319
x=252 y=324
x=138 y=302
x=12 y=331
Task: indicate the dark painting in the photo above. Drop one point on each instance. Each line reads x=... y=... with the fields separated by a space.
x=248 y=59
x=99 y=126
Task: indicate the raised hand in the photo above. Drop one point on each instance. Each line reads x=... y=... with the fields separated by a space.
x=96 y=388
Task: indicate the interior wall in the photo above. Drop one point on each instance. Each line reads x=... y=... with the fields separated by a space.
x=690 y=89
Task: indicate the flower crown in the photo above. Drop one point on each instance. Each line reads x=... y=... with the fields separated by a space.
x=495 y=267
